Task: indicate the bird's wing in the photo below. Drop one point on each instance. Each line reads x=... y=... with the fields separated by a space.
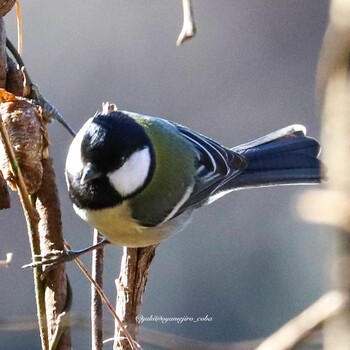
x=216 y=165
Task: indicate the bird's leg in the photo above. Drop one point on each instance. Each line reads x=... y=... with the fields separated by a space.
x=56 y=257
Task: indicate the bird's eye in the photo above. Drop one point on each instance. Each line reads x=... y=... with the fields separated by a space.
x=122 y=160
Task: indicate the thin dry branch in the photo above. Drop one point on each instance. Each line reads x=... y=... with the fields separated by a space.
x=45 y=233
x=44 y=227
x=300 y=327
x=32 y=219
x=3 y=61
x=7 y=261
x=14 y=78
x=333 y=86
x=50 y=232
x=151 y=337
x=103 y=297
x=326 y=207
x=5 y=201
x=6 y=7
x=96 y=300
x=131 y=285
x=188 y=30
x=19 y=27
x=175 y=342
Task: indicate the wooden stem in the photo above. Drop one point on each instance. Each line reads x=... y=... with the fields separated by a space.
x=96 y=301
x=131 y=286
x=188 y=30
x=50 y=233
x=333 y=83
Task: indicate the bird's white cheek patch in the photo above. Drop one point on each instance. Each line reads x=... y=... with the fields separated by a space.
x=133 y=174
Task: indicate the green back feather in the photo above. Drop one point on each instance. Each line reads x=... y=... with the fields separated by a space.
x=175 y=171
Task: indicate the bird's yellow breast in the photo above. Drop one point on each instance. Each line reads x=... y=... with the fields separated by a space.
x=120 y=228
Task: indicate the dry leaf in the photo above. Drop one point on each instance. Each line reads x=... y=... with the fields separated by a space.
x=22 y=120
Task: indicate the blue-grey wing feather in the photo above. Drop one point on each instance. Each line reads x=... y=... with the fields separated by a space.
x=216 y=166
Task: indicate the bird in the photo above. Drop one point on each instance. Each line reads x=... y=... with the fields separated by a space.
x=137 y=179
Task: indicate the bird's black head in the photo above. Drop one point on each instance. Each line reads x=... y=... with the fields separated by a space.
x=111 y=139
x=110 y=159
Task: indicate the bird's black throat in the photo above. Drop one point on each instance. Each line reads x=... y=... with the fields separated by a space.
x=94 y=195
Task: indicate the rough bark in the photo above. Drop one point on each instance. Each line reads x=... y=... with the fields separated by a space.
x=131 y=285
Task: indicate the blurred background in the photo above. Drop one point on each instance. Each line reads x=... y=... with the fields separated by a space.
x=247 y=261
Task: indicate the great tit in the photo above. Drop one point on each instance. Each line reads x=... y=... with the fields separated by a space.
x=137 y=179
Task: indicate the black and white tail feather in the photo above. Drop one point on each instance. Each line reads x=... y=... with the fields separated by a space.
x=284 y=157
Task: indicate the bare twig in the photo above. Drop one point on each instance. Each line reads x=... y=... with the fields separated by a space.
x=188 y=30
x=96 y=301
x=7 y=262
x=50 y=231
x=6 y=6
x=32 y=91
x=14 y=78
x=99 y=290
x=3 y=61
x=333 y=207
x=333 y=85
x=18 y=59
x=328 y=207
x=45 y=233
x=152 y=337
x=5 y=201
x=131 y=285
x=19 y=27
x=32 y=219
x=175 y=342
x=299 y=327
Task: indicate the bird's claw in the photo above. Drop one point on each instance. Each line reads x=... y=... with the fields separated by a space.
x=56 y=257
x=50 y=255
x=52 y=259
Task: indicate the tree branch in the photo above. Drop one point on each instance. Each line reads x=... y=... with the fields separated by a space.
x=27 y=129
x=131 y=285
x=50 y=232
x=188 y=30
x=102 y=295
x=7 y=262
x=333 y=91
x=31 y=217
x=96 y=301
x=3 y=60
x=300 y=327
x=6 y=6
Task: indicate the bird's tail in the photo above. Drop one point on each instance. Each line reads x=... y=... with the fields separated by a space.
x=286 y=156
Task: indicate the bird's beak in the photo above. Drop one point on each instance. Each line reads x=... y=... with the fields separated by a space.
x=89 y=173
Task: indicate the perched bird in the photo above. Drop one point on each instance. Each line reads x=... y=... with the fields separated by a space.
x=137 y=179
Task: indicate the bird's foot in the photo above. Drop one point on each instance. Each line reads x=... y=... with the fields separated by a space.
x=51 y=260
x=56 y=257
